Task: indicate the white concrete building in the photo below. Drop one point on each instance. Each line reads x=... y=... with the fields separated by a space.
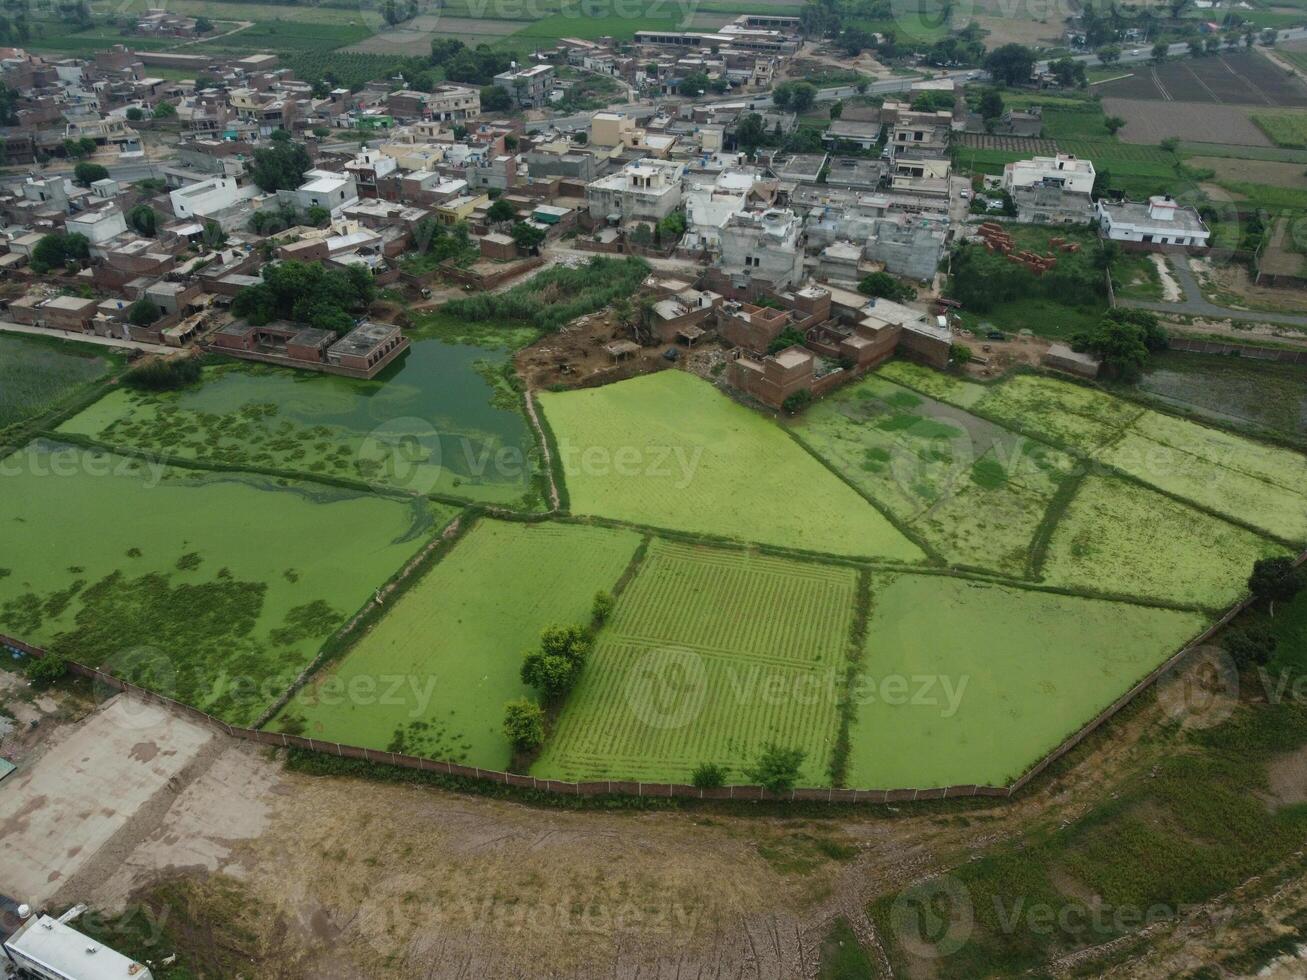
x=1065 y=171
x=646 y=190
x=1161 y=221
x=323 y=189
x=97 y=226
x=209 y=196
x=710 y=204
x=51 y=949
x=764 y=246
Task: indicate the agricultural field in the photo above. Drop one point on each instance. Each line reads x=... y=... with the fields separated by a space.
x=36 y=375
x=215 y=589
x=1118 y=538
x=1077 y=417
x=1229 y=78
x=1149 y=121
x=1264 y=397
x=668 y=450
x=444 y=420
x=1283 y=128
x=996 y=676
x=710 y=654
x=974 y=491
x=450 y=649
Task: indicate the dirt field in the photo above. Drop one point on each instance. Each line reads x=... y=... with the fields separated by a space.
x=1235 y=78
x=1253 y=171
x=1015 y=30
x=1150 y=121
x=414 y=37
x=1231 y=285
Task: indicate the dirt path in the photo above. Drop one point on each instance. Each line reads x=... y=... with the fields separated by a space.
x=546 y=455
x=1171 y=291
x=241 y=25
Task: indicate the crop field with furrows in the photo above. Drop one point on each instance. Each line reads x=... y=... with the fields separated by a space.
x=36 y=375
x=214 y=589
x=994 y=677
x=443 y=419
x=975 y=491
x=709 y=655
x=1118 y=538
x=431 y=677
x=668 y=450
x=1079 y=418
x=1234 y=77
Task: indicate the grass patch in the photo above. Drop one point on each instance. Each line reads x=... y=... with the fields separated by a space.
x=37 y=374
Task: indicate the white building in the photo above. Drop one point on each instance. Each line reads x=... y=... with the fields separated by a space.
x=1065 y=171
x=97 y=226
x=709 y=206
x=1161 y=221
x=53 y=950
x=530 y=87
x=764 y=247
x=646 y=190
x=322 y=189
x=207 y=197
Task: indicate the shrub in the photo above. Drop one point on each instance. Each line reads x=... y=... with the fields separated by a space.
x=1274 y=579
x=87 y=174
x=602 y=609
x=789 y=337
x=47 y=669
x=143 y=312
x=959 y=354
x=884 y=285
x=524 y=724
x=777 y=768
x=708 y=775
x=1249 y=646
x=797 y=402
x=160 y=375
x=555 y=666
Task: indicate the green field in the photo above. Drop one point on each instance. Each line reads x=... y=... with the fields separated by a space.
x=974 y=491
x=37 y=374
x=667 y=450
x=441 y=420
x=214 y=589
x=972 y=683
x=1118 y=538
x=1283 y=128
x=709 y=654
x=432 y=676
x=1070 y=415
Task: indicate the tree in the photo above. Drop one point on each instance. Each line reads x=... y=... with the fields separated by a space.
x=203 y=25
x=143 y=220
x=884 y=285
x=165 y=110
x=1196 y=49
x=87 y=174
x=280 y=166
x=501 y=211
x=777 y=768
x=496 y=99
x=143 y=312
x=1249 y=646
x=135 y=114
x=1069 y=72
x=750 y=133
x=317 y=216
x=59 y=250
x=1109 y=54
x=524 y=724
x=1011 y=64
x=1102 y=183
x=1113 y=123
x=1160 y=51
x=797 y=402
x=991 y=104
x=693 y=84
x=708 y=775
x=306 y=293
x=213 y=236
x=789 y=337
x=1274 y=579
x=602 y=608
x=837 y=110
x=959 y=354
x=554 y=667
x=1124 y=340
x=527 y=237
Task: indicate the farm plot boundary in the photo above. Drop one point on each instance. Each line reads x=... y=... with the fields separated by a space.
x=608 y=788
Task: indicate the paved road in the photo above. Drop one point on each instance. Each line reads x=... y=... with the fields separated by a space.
x=1195 y=305
x=125 y=172
x=84 y=338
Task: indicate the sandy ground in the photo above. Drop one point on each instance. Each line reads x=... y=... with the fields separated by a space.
x=1171 y=291
x=1230 y=285
x=55 y=816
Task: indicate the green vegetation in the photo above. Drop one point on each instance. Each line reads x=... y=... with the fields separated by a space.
x=59 y=249
x=38 y=373
x=453 y=643
x=669 y=451
x=999 y=675
x=709 y=654
x=1287 y=129
x=307 y=293
x=556 y=296
x=440 y=420
x=842 y=956
x=216 y=614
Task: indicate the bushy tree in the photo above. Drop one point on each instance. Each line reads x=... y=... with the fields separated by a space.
x=991 y=104
x=47 y=669
x=1275 y=580
x=789 y=337
x=1124 y=339
x=1011 y=64
x=777 y=768
x=524 y=724
x=307 y=293
x=135 y=114
x=501 y=211
x=87 y=174
x=555 y=665
x=796 y=97
x=143 y=312
x=602 y=608
x=143 y=220
x=1249 y=646
x=708 y=775
x=884 y=285
x=495 y=99
x=165 y=110
x=59 y=249
x=527 y=237
x=280 y=166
